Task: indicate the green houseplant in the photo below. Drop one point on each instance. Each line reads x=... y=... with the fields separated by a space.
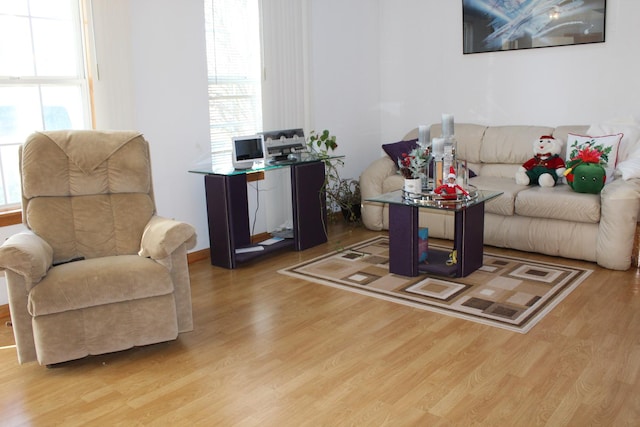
x=342 y=194
x=347 y=196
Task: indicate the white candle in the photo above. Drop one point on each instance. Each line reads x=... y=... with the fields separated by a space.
x=437 y=145
x=423 y=135
x=447 y=125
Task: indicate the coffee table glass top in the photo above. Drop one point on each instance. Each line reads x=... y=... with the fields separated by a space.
x=436 y=201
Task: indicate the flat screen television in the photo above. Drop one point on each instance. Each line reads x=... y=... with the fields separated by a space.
x=247 y=150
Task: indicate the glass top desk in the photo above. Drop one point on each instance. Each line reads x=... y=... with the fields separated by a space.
x=228 y=212
x=468 y=241
x=263 y=166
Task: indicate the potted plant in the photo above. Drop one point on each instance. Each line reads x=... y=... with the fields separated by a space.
x=347 y=196
x=342 y=194
x=413 y=166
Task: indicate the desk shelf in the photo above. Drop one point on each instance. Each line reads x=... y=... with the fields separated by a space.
x=268 y=249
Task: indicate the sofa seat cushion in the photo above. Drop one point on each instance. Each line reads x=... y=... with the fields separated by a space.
x=559 y=202
x=98 y=281
x=505 y=203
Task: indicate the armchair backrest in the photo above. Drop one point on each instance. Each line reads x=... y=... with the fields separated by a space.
x=87 y=193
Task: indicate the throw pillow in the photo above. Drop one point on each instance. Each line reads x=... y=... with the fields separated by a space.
x=394 y=150
x=630 y=168
x=628 y=165
x=577 y=142
x=627 y=126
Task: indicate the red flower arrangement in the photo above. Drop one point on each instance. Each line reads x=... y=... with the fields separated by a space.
x=413 y=164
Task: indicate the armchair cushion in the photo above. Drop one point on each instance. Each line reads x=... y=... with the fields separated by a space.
x=91 y=226
x=99 y=281
x=28 y=255
x=89 y=149
x=162 y=236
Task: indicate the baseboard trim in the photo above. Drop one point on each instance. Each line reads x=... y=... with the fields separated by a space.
x=198 y=255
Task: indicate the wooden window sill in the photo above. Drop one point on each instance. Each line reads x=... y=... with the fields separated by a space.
x=10 y=217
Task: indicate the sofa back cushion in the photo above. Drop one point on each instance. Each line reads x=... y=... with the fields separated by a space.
x=499 y=151
x=469 y=142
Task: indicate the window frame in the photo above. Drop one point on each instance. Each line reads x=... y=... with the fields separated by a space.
x=11 y=213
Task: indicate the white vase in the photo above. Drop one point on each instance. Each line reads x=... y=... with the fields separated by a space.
x=413 y=185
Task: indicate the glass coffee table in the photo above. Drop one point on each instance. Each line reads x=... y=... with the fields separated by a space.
x=468 y=243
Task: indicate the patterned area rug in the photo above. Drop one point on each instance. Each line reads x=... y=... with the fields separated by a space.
x=506 y=292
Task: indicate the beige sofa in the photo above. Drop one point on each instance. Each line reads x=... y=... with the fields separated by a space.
x=554 y=221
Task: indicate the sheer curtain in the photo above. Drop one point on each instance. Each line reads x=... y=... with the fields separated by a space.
x=285 y=93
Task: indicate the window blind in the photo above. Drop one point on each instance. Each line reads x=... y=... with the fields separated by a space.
x=234 y=73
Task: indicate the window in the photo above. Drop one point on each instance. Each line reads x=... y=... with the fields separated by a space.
x=43 y=82
x=234 y=64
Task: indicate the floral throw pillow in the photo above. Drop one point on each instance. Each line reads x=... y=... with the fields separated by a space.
x=608 y=144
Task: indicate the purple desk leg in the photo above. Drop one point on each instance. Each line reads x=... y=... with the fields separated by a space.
x=309 y=205
x=228 y=217
x=403 y=240
x=469 y=239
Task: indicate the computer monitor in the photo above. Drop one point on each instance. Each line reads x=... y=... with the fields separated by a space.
x=247 y=150
x=281 y=143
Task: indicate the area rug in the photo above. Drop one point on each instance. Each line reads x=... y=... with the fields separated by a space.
x=506 y=292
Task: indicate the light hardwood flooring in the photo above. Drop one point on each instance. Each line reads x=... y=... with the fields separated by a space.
x=269 y=350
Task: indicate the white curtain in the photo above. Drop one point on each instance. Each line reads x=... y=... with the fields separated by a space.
x=285 y=52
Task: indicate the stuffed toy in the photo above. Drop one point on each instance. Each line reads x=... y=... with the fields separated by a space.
x=546 y=165
x=585 y=171
x=451 y=187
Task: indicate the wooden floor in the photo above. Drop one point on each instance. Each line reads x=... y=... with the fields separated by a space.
x=269 y=350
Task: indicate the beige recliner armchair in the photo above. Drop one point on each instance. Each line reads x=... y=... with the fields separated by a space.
x=98 y=271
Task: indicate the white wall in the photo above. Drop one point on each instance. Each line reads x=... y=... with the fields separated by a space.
x=111 y=65
x=548 y=86
x=171 y=103
x=151 y=58
x=345 y=76
x=422 y=73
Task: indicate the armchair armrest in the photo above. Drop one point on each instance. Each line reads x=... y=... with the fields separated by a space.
x=162 y=236
x=27 y=255
x=620 y=204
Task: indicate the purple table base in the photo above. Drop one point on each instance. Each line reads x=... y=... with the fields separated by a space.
x=403 y=243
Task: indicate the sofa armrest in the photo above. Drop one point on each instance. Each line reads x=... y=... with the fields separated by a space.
x=620 y=203
x=162 y=236
x=27 y=255
x=371 y=185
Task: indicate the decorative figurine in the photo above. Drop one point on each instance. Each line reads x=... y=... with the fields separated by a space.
x=451 y=187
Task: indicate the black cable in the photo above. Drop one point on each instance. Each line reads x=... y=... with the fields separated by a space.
x=255 y=214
